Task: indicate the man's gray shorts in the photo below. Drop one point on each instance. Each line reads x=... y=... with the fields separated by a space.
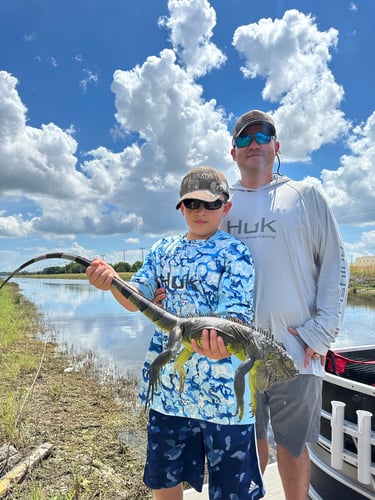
x=294 y=408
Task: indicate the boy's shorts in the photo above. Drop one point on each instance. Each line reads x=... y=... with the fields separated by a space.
x=294 y=408
x=176 y=451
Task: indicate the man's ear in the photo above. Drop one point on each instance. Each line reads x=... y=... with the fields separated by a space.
x=233 y=153
x=277 y=147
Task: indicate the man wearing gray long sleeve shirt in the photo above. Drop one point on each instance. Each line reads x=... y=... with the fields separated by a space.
x=301 y=280
x=300 y=264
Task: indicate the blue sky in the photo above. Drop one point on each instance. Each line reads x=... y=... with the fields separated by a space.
x=105 y=104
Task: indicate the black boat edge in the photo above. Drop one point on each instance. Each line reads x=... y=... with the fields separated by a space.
x=343 y=461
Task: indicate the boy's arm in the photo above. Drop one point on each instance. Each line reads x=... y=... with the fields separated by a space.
x=100 y=274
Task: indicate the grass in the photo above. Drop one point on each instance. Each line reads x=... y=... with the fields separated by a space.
x=82 y=412
x=15 y=361
x=362 y=282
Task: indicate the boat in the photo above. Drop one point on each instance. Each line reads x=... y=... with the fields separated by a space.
x=343 y=461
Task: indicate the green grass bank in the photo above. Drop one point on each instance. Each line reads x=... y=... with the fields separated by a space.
x=51 y=395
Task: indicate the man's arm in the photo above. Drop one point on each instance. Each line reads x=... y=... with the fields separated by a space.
x=332 y=279
x=309 y=352
x=160 y=295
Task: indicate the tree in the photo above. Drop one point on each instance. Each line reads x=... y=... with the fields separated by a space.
x=122 y=267
x=137 y=264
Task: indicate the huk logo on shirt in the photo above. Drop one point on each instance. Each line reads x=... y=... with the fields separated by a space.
x=181 y=282
x=262 y=227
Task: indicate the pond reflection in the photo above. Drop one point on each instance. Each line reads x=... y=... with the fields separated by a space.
x=362 y=301
x=359 y=323
x=89 y=319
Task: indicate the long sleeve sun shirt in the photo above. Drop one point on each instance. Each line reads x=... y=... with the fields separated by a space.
x=201 y=277
x=300 y=265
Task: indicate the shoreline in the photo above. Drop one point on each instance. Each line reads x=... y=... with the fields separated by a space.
x=361 y=283
x=97 y=430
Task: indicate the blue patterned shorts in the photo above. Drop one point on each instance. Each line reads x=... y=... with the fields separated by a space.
x=176 y=452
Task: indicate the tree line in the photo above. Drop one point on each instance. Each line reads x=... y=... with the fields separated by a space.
x=75 y=268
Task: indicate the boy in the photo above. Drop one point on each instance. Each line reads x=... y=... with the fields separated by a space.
x=204 y=271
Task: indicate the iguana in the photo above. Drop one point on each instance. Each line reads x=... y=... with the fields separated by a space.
x=265 y=359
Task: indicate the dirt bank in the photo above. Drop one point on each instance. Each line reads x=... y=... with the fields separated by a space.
x=97 y=432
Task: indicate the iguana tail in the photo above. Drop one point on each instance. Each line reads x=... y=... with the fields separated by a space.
x=163 y=319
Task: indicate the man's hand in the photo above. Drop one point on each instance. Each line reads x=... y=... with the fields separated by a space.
x=309 y=352
x=160 y=294
x=212 y=345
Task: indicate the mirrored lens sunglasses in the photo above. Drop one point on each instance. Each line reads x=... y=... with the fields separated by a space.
x=242 y=141
x=208 y=205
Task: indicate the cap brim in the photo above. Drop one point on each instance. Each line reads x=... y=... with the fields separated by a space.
x=199 y=195
x=257 y=122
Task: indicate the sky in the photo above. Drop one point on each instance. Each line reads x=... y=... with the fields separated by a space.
x=106 y=104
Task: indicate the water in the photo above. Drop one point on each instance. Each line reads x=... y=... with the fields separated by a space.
x=91 y=320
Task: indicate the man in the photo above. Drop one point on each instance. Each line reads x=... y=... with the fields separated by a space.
x=301 y=279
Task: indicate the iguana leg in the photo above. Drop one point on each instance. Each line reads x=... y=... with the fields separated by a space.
x=253 y=375
x=174 y=343
x=181 y=359
x=239 y=385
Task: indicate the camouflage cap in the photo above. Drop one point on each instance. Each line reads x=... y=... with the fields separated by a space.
x=203 y=183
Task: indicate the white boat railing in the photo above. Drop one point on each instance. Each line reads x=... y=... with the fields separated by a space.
x=361 y=435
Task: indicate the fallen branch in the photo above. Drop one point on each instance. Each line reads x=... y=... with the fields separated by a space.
x=21 y=469
x=9 y=457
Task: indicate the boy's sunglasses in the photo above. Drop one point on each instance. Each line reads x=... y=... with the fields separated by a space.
x=242 y=141
x=208 y=205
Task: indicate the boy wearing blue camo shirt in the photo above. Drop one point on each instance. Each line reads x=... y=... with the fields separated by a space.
x=204 y=272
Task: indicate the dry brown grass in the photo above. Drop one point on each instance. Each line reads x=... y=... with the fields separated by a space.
x=96 y=428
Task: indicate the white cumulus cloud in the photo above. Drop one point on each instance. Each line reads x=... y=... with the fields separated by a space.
x=292 y=56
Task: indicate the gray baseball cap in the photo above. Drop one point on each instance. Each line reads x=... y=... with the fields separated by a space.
x=203 y=183
x=254 y=117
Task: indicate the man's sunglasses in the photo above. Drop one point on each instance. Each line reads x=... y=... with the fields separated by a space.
x=208 y=205
x=242 y=141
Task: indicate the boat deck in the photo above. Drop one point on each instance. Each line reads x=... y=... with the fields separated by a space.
x=343 y=460
x=272 y=482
